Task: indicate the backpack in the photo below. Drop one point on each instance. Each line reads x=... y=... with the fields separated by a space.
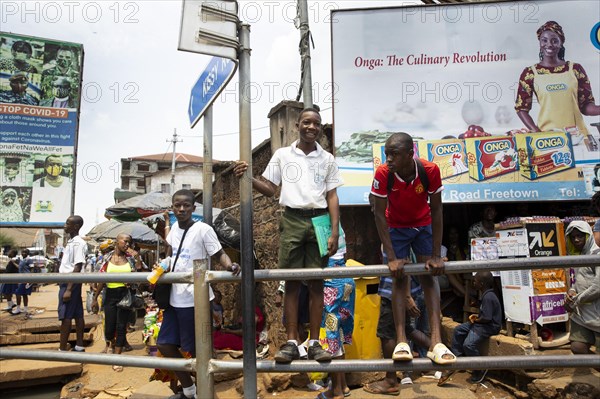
x=422 y=175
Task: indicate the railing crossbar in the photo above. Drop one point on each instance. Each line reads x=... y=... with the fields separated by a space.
x=269 y=366
x=303 y=274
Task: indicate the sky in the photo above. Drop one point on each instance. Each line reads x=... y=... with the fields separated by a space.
x=136 y=84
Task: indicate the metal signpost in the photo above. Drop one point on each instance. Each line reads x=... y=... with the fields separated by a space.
x=212 y=27
x=209 y=85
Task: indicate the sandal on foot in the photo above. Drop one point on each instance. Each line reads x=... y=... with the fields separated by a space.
x=439 y=351
x=445 y=377
x=402 y=352
x=346 y=392
x=378 y=389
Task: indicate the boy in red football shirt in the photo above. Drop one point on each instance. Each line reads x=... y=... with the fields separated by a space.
x=406 y=220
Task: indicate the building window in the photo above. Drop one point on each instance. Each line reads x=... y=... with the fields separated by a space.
x=126 y=165
x=186 y=186
x=141 y=183
x=125 y=183
x=165 y=188
x=143 y=167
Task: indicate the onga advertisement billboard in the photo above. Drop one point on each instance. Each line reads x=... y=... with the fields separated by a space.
x=500 y=95
x=40 y=81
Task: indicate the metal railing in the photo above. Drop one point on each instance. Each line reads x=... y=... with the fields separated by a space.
x=205 y=366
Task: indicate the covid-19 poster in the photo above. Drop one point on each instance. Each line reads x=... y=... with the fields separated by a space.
x=40 y=82
x=502 y=96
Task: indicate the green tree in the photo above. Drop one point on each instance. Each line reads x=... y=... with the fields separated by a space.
x=6 y=241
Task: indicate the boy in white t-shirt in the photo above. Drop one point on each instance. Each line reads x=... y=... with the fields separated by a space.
x=200 y=242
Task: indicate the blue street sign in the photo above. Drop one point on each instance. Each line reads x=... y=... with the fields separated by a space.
x=209 y=85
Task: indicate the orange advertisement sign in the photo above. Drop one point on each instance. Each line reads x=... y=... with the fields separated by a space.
x=549 y=281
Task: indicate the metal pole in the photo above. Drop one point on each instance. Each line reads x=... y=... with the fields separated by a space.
x=173 y=162
x=203 y=333
x=305 y=54
x=176 y=277
x=308 y=274
x=462 y=363
x=549 y=262
x=207 y=167
x=149 y=362
x=246 y=237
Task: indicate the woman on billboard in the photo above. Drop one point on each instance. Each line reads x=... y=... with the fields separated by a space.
x=562 y=87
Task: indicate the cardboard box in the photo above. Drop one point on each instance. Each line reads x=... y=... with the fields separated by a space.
x=489 y=157
x=450 y=155
x=541 y=154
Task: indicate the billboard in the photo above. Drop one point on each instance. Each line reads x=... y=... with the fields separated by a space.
x=40 y=81
x=461 y=79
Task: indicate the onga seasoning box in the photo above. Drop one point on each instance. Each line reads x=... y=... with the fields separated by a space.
x=491 y=156
x=541 y=154
x=450 y=155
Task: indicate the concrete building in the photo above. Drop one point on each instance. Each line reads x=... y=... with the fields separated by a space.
x=148 y=173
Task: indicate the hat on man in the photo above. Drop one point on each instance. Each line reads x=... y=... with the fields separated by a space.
x=18 y=76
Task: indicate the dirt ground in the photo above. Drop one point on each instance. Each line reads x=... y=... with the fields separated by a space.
x=102 y=382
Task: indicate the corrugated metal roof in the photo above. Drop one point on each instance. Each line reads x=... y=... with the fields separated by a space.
x=167 y=157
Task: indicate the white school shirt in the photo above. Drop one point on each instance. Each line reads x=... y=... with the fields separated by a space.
x=200 y=242
x=75 y=252
x=305 y=179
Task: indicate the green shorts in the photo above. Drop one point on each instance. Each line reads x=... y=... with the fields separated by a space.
x=583 y=334
x=298 y=247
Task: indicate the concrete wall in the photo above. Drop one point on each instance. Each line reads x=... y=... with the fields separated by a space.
x=184 y=175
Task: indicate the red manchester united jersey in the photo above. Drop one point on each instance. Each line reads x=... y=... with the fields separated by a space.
x=407 y=201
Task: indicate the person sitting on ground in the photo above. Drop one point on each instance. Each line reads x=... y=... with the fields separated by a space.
x=231 y=337
x=583 y=300
x=217 y=310
x=124 y=259
x=468 y=336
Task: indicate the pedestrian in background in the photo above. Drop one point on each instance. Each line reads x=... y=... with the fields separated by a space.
x=583 y=299
x=9 y=289
x=124 y=259
x=70 y=305
x=23 y=289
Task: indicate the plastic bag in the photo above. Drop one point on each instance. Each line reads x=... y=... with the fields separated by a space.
x=131 y=301
x=228 y=230
x=88 y=301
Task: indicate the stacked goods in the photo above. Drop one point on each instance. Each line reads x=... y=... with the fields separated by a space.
x=541 y=154
x=491 y=156
x=474 y=131
x=588 y=219
x=449 y=155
